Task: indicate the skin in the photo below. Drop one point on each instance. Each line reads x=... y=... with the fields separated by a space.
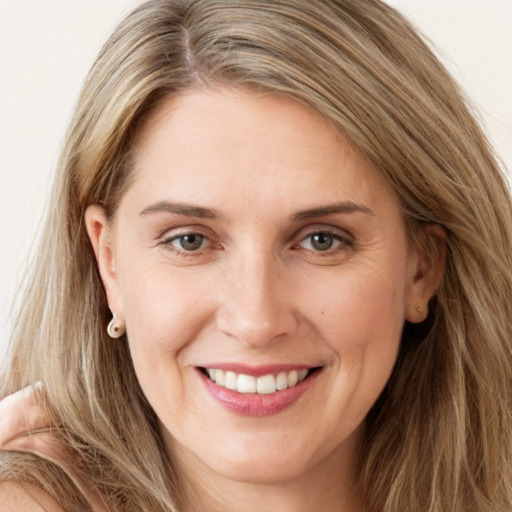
x=16 y=496
x=259 y=291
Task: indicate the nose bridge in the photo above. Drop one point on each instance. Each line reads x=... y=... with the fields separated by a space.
x=256 y=305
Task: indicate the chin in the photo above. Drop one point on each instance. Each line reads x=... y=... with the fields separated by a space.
x=264 y=472
x=262 y=462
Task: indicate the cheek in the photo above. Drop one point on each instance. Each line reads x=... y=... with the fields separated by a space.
x=164 y=314
x=360 y=309
x=361 y=321
x=162 y=306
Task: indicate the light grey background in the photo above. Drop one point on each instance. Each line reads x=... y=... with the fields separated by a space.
x=47 y=47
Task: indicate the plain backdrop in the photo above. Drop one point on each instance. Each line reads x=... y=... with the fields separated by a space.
x=47 y=47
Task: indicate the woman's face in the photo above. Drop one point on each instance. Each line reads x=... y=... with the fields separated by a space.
x=261 y=265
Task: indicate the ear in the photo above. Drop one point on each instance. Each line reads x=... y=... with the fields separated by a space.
x=426 y=271
x=100 y=231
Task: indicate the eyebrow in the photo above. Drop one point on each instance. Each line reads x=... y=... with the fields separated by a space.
x=207 y=213
x=181 y=209
x=322 y=211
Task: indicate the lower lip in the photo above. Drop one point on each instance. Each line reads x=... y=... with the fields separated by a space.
x=253 y=404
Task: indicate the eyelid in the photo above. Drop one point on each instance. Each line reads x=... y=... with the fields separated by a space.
x=180 y=230
x=172 y=234
x=309 y=230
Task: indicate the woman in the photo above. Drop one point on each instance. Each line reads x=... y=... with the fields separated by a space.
x=300 y=242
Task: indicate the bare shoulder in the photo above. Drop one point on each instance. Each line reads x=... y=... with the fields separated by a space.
x=16 y=496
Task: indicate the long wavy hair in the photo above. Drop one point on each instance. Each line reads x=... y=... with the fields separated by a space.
x=439 y=437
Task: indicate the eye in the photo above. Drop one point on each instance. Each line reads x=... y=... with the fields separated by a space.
x=324 y=241
x=321 y=241
x=188 y=242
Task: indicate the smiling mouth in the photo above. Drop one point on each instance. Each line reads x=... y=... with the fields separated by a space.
x=263 y=385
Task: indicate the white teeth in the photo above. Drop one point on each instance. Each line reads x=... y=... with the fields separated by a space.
x=220 y=377
x=264 y=385
x=282 y=381
x=246 y=384
x=293 y=378
x=231 y=381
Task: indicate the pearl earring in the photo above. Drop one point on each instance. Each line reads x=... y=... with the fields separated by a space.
x=116 y=327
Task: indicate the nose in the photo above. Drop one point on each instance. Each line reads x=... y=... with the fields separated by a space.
x=257 y=307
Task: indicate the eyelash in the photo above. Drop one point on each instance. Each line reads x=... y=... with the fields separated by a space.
x=167 y=243
x=344 y=241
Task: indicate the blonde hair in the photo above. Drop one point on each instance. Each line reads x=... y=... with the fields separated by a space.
x=440 y=436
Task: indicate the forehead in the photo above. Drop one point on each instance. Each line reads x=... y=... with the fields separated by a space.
x=218 y=145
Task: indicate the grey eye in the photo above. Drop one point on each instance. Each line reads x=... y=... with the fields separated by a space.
x=321 y=241
x=191 y=242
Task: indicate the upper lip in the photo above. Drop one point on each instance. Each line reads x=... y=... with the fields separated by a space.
x=258 y=370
